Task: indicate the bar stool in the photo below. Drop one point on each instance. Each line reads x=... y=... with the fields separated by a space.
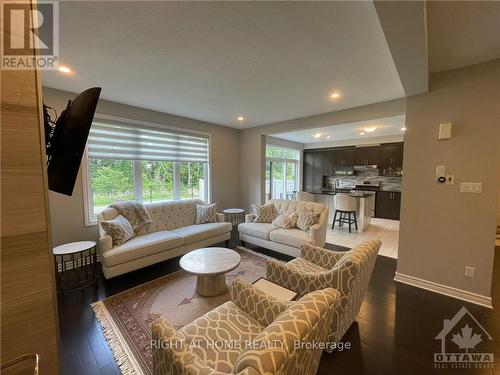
x=345 y=204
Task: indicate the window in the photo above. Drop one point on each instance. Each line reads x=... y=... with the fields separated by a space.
x=132 y=161
x=282 y=165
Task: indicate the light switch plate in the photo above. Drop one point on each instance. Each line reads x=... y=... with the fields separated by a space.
x=471 y=187
x=470 y=271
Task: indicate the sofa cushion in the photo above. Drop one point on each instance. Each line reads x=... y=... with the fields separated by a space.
x=141 y=246
x=198 y=232
x=259 y=230
x=304 y=266
x=291 y=237
x=220 y=336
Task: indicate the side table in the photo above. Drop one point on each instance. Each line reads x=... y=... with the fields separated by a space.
x=75 y=265
x=234 y=216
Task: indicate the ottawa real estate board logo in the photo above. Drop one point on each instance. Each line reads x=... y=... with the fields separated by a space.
x=30 y=35
x=462 y=343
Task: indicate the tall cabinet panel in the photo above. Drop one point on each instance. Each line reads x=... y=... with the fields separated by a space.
x=28 y=309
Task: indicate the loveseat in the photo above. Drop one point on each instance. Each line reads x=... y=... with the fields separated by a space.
x=287 y=241
x=171 y=233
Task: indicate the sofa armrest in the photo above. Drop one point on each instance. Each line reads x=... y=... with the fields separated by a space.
x=172 y=354
x=221 y=218
x=322 y=257
x=249 y=218
x=256 y=303
x=318 y=231
x=300 y=282
x=105 y=243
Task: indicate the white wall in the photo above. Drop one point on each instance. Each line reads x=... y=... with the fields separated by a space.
x=67 y=215
x=443 y=230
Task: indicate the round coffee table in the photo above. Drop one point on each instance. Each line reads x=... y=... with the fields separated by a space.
x=210 y=264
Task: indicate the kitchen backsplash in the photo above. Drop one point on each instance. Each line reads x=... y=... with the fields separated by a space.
x=386 y=183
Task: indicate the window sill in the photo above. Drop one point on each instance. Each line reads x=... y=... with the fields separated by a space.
x=92 y=223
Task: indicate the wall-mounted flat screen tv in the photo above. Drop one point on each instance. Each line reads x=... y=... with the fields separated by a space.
x=66 y=139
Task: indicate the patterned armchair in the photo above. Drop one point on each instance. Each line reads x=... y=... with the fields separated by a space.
x=349 y=272
x=250 y=335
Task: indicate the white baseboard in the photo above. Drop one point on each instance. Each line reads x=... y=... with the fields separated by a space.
x=449 y=291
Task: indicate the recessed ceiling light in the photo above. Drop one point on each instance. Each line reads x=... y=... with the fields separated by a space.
x=335 y=95
x=362 y=133
x=370 y=129
x=403 y=128
x=240 y=118
x=328 y=137
x=64 y=69
x=317 y=135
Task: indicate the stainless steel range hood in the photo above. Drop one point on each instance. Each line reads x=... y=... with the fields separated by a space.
x=361 y=168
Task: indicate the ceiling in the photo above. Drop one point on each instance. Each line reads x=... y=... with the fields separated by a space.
x=462 y=33
x=383 y=127
x=215 y=61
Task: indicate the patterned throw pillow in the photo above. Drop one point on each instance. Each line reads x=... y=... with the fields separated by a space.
x=307 y=219
x=264 y=214
x=119 y=229
x=206 y=213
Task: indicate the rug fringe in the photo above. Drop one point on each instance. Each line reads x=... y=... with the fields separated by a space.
x=120 y=354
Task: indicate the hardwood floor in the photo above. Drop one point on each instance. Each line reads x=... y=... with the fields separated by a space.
x=394 y=333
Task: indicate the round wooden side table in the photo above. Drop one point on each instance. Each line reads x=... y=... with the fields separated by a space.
x=75 y=265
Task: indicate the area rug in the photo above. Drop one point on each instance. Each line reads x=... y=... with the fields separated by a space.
x=126 y=317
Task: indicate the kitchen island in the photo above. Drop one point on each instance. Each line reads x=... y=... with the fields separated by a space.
x=365 y=207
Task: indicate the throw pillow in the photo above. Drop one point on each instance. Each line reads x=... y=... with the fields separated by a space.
x=119 y=229
x=282 y=221
x=292 y=214
x=307 y=219
x=206 y=213
x=264 y=214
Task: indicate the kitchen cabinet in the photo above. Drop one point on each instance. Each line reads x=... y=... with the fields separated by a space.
x=391 y=156
x=308 y=176
x=388 y=205
x=313 y=170
x=369 y=155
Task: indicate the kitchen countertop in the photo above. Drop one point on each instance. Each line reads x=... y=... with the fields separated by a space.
x=361 y=194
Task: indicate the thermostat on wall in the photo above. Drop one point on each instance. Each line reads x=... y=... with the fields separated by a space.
x=444 y=130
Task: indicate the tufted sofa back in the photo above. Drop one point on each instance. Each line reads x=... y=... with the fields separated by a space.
x=282 y=205
x=165 y=215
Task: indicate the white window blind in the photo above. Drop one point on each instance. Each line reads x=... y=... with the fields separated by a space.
x=112 y=140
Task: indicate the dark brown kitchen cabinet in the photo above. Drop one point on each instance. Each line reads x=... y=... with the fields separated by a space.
x=388 y=205
x=391 y=156
x=369 y=155
x=309 y=158
x=313 y=170
x=331 y=160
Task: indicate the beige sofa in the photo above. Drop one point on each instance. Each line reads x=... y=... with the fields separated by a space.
x=173 y=232
x=287 y=241
x=250 y=335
